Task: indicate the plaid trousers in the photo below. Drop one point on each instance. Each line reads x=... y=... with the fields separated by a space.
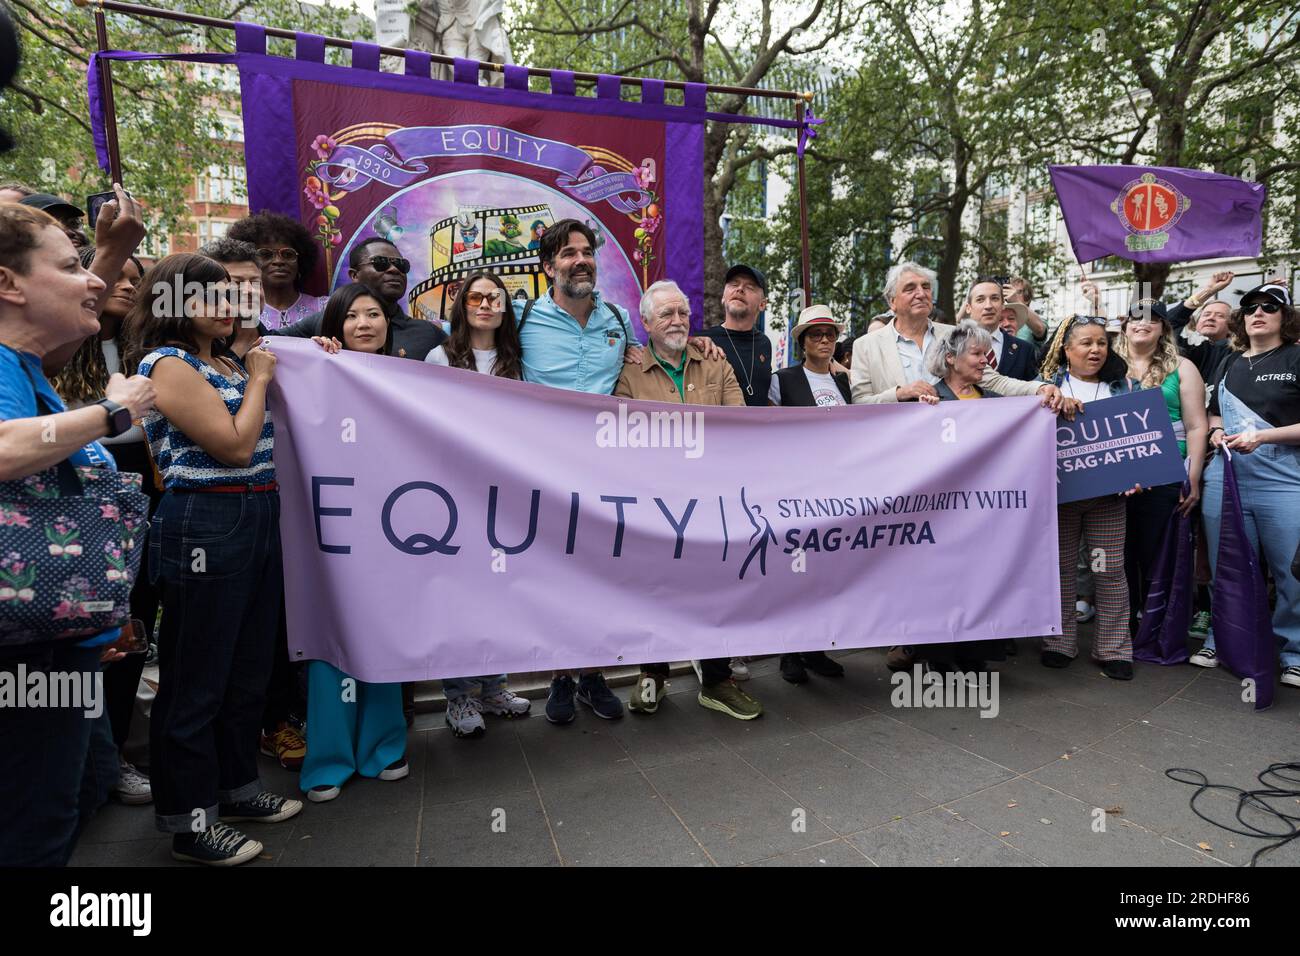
x=1100 y=524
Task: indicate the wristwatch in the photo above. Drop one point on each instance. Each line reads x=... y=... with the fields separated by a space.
x=119 y=417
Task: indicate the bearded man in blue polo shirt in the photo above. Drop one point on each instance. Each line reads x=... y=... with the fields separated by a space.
x=572 y=338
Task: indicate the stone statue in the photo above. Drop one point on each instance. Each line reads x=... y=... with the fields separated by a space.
x=465 y=28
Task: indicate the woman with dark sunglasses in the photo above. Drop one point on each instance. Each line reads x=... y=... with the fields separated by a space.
x=1255 y=416
x=286 y=254
x=484 y=338
x=1080 y=362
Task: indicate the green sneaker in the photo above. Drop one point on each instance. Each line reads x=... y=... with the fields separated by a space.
x=1200 y=625
x=646 y=694
x=731 y=700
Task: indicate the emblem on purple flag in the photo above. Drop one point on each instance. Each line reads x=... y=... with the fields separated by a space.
x=1157 y=214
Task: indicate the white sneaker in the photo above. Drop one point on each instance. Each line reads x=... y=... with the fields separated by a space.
x=739 y=669
x=1291 y=676
x=1205 y=657
x=505 y=704
x=1084 y=612
x=397 y=770
x=464 y=718
x=132 y=787
x=322 y=794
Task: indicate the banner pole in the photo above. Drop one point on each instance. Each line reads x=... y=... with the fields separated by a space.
x=804 y=254
x=135 y=9
x=106 y=86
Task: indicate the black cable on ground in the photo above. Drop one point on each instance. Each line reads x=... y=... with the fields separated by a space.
x=1252 y=798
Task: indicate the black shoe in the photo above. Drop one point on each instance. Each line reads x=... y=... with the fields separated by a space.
x=821 y=665
x=792 y=669
x=266 y=807
x=218 y=845
x=559 y=705
x=1119 y=670
x=595 y=693
x=1055 y=659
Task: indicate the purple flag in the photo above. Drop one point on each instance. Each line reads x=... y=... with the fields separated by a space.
x=1243 y=627
x=1157 y=213
x=437 y=522
x=1162 y=638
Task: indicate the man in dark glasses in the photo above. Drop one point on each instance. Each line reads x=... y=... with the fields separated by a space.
x=378 y=265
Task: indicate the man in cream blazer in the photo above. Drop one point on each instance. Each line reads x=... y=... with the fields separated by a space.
x=889 y=363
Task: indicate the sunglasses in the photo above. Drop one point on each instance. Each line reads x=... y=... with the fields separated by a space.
x=1143 y=320
x=821 y=334
x=384 y=263
x=1269 y=308
x=1091 y=320
x=263 y=256
x=475 y=299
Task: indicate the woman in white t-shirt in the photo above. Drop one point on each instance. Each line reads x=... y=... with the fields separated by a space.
x=484 y=334
x=811 y=383
x=484 y=338
x=1081 y=363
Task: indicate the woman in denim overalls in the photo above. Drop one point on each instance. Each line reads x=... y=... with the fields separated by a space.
x=1265 y=453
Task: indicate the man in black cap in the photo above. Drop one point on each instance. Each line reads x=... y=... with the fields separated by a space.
x=749 y=351
x=68 y=215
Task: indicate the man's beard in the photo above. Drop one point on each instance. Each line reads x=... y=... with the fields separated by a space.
x=737 y=310
x=675 y=341
x=579 y=288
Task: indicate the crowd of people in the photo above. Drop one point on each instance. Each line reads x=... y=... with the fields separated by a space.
x=175 y=389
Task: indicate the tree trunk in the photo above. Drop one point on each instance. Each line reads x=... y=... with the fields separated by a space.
x=950 y=261
x=715 y=269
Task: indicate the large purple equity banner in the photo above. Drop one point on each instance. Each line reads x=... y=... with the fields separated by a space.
x=462 y=177
x=438 y=522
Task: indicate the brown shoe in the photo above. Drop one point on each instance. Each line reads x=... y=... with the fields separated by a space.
x=899 y=658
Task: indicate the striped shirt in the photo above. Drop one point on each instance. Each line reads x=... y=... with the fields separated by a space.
x=182 y=463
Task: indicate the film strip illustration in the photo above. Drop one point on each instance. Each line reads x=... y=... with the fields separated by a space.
x=504 y=240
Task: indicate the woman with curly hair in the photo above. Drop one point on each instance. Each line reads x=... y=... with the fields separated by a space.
x=1255 y=415
x=1080 y=362
x=286 y=254
x=1148 y=344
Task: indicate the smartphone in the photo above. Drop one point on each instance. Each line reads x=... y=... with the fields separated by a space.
x=134 y=639
x=94 y=203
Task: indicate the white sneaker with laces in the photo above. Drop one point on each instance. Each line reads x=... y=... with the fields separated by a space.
x=505 y=704
x=132 y=787
x=464 y=719
x=1084 y=612
x=739 y=669
x=1205 y=657
x=1291 y=676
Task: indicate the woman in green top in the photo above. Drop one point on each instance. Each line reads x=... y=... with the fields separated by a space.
x=1147 y=343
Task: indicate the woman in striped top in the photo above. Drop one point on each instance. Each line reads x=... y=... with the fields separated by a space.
x=214 y=547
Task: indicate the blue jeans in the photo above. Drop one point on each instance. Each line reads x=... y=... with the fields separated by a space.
x=1268 y=480
x=42 y=759
x=217 y=557
x=454 y=687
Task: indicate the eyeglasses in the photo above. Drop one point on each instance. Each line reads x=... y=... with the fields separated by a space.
x=1269 y=308
x=264 y=256
x=384 y=263
x=475 y=299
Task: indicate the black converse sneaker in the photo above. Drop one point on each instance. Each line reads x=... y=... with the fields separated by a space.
x=266 y=807
x=218 y=845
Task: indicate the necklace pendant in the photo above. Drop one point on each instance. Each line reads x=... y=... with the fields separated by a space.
x=749 y=390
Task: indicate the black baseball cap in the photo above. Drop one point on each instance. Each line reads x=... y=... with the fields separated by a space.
x=1145 y=307
x=1270 y=292
x=52 y=204
x=740 y=269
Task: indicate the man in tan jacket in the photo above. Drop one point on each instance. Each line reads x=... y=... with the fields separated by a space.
x=889 y=363
x=675 y=371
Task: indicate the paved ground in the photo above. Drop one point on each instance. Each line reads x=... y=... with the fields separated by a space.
x=874 y=785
